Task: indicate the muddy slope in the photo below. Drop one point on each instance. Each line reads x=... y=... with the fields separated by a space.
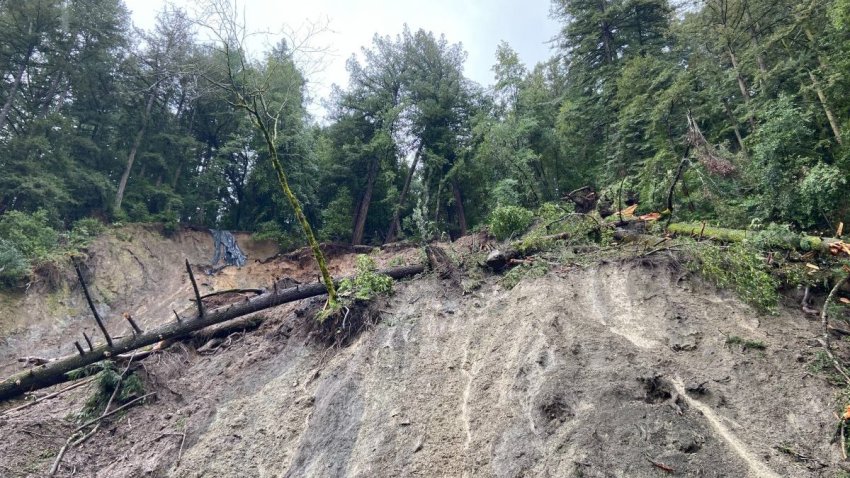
x=593 y=373
x=612 y=370
x=135 y=270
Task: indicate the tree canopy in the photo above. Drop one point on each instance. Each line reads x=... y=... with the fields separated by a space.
x=744 y=97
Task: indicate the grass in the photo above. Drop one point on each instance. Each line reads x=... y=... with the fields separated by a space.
x=745 y=344
x=518 y=273
x=740 y=268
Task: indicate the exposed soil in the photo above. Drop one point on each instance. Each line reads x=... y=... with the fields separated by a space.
x=619 y=370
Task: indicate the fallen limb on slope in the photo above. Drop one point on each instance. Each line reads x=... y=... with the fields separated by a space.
x=55 y=372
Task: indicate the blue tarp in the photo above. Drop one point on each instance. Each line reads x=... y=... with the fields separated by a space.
x=232 y=255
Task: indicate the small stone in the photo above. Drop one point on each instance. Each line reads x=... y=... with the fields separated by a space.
x=418 y=445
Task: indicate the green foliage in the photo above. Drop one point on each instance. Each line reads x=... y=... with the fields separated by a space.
x=507 y=221
x=745 y=344
x=823 y=364
x=506 y=193
x=108 y=378
x=31 y=234
x=773 y=236
x=822 y=190
x=336 y=217
x=367 y=284
x=742 y=269
x=84 y=231
x=780 y=159
x=271 y=231
x=518 y=273
x=29 y=239
x=14 y=266
x=423 y=229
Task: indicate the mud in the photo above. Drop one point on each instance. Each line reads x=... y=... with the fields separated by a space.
x=616 y=370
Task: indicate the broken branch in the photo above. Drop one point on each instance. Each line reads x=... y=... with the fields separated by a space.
x=91 y=305
x=197 y=293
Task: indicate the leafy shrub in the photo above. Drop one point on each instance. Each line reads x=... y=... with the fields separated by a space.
x=773 y=236
x=170 y=221
x=14 y=266
x=85 y=230
x=367 y=284
x=418 y=225
x=822 y=190
x=506 y=221
x=31 y=234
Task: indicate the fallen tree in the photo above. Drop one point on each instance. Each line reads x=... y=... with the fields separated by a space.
x=788 y=241
x=55 y=372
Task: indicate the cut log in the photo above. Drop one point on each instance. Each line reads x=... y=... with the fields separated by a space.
x=56 y=372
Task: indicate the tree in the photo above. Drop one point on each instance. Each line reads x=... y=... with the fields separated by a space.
x=162 y=62
x=249 y=89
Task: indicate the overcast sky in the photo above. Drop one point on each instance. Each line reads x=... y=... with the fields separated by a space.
x=478 y=24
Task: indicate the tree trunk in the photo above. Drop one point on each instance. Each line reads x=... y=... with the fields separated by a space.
x=791 y=242
x=459 y=210
x=56 y=372
x=57 y=78
x=119 y=197
x=833 y=123
x=394 y=224
x=363 y=206
x=19 y=75
x=742 y=85
x=737 y=130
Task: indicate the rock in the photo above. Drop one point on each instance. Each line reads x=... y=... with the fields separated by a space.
x=418 y=444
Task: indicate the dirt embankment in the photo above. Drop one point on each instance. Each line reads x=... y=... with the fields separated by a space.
x=611 y=370
x=134 y=270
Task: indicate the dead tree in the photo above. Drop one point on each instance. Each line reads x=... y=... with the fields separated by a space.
x=56 y=372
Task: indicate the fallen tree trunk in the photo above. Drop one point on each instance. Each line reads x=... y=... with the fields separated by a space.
x=56 y=372
x=790 y=241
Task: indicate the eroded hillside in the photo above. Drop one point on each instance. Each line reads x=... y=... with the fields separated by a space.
x=617 y=369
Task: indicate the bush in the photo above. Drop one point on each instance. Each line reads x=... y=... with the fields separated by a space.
x=14 y=267
x=85 y=230
x=108 y=378
x=31 y=234
x=367 y=284
x=506 y=221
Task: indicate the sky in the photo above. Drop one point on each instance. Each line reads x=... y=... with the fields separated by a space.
x=478 y=24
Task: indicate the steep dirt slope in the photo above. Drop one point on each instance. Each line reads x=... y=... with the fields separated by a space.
x=597 y=371
x=135 y=270
x=586 y=374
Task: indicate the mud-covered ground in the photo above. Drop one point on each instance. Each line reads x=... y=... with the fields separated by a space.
x=621 y=369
